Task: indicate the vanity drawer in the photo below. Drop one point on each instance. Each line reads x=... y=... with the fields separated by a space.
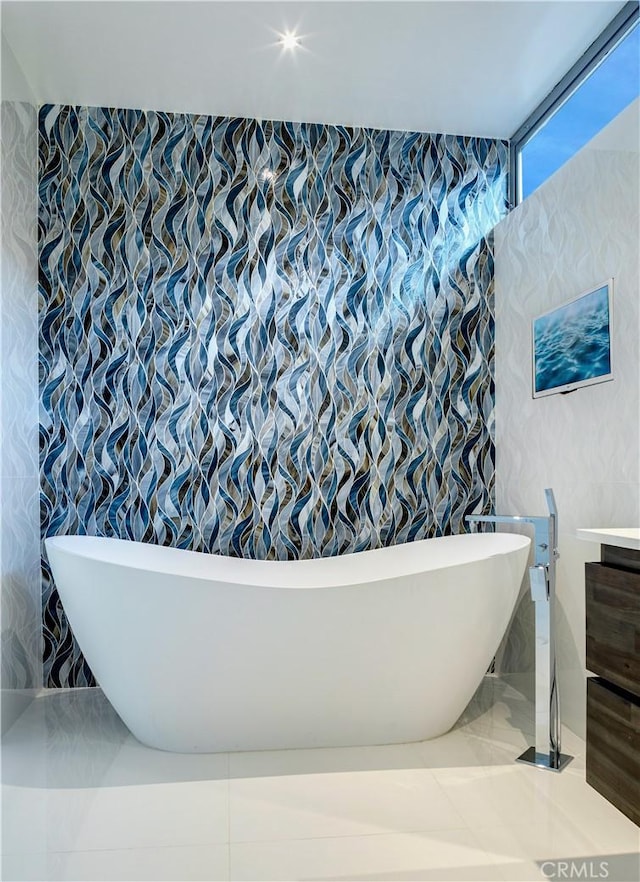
x=613 y=746
x=613 y=625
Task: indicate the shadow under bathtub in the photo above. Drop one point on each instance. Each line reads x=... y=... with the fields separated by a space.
x=74 y=739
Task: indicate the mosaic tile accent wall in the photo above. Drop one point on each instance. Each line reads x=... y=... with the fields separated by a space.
x=264 y=339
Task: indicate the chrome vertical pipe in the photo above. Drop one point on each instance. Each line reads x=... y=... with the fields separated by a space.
x=545 y=751
x=554 y=703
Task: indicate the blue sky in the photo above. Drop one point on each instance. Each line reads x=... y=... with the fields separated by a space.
x=612 y=86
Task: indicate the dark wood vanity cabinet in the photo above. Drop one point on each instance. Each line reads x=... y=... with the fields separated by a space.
x=613 y=695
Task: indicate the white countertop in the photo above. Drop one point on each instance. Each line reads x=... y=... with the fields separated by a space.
x=623 y=537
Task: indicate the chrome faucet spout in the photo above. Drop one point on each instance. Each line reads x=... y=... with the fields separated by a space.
x=544 y=529
x=502 y=519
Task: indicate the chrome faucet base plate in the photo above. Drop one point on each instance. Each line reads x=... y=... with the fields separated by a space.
x=552 y=762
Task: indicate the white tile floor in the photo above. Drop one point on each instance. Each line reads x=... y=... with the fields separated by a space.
x=83 y=800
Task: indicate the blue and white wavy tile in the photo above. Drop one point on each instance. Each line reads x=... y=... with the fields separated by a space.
x=264 y=339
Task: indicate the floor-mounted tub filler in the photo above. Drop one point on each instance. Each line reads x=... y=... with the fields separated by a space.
x=204 y=653
x=545 y=753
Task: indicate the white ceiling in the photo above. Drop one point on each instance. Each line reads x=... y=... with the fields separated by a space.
x=476 y=68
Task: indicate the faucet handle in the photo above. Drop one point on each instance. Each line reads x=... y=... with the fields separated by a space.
x=539 y=582
x=551 y=502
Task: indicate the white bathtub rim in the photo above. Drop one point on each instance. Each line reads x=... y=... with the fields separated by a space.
x=351 y=569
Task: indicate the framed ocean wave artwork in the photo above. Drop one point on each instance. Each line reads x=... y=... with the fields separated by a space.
x=572 y=343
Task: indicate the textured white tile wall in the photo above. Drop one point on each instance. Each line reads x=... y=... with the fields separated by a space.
x=578 y=229
x=20 y=606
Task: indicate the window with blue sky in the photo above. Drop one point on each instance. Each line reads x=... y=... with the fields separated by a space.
x=611 y=87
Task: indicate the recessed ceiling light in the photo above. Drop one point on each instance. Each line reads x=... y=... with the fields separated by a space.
x=289 y=40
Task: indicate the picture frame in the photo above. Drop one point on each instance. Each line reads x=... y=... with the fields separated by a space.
x=571 y=344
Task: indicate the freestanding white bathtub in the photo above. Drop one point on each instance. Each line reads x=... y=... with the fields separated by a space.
x=204 y=653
